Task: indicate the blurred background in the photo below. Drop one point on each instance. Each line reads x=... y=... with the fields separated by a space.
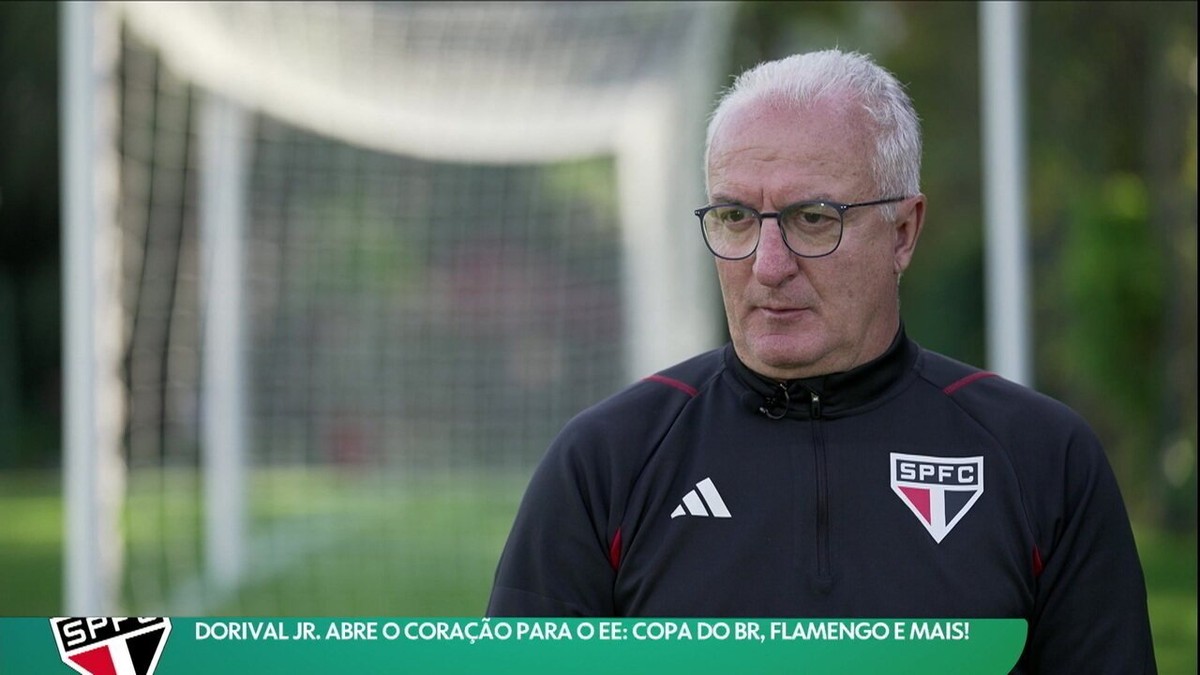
x=354 y=264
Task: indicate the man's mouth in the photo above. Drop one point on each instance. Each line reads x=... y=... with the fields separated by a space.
x=781 y=311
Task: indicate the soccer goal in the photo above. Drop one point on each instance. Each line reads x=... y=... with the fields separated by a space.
x=337 y=272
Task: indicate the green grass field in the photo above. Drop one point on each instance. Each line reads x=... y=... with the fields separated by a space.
x=320 y=544
x=353 y=545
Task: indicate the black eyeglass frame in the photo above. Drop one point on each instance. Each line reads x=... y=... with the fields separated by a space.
x=838 y=206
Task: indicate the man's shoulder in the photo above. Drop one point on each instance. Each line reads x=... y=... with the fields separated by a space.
x=669 y=389
x=616 y=436
x=643 y=411
x=994 y=400
x=691 y=377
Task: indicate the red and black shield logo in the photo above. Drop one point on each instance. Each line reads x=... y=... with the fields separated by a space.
x=111 y=645
x=938 y=490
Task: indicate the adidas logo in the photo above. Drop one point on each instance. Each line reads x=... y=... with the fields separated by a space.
x=695 y=506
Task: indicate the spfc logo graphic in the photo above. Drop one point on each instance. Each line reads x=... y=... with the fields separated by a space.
x=938 y=490
x=111 y=645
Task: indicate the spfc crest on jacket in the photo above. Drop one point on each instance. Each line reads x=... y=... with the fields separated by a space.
x=111 y=645
x=938 y=490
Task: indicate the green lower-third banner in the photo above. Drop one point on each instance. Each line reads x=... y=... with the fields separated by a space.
x=183 y=646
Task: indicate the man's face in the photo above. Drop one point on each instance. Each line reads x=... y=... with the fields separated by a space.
x=789 y=316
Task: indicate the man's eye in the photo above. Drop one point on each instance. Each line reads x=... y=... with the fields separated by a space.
x=734 y=215
x=816 y=215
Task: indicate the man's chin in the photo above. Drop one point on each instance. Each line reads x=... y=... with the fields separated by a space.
x=782 y=358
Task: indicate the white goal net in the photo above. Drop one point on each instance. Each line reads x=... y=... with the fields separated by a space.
x=352 y=267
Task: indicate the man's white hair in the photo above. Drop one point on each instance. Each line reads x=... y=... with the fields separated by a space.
x=804 y=79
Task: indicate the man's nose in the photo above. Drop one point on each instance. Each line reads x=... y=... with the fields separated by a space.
x=774 y=262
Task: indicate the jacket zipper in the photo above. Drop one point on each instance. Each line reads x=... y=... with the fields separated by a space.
x=824 y=577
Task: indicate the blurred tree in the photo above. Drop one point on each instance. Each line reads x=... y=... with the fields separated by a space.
x=30 y=308
x=1112 y=101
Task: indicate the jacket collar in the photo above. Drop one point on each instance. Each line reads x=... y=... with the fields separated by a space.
x=832 y=395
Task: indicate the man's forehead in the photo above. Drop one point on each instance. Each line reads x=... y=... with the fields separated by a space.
x=789 y=148
x=774 y=115
x=775 y=134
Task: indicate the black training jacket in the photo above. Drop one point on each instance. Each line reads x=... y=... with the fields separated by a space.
x=912 y=486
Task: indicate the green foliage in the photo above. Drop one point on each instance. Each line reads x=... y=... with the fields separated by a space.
x=1112 y=287
x=1112 y=118
x=1169 y=561
x=29 y=244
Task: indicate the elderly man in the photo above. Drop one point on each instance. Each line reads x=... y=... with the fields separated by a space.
x=823 y=464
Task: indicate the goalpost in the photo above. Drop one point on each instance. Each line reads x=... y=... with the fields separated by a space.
x=337 y=272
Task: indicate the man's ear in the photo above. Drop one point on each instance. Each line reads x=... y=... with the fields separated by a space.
x=910 y=218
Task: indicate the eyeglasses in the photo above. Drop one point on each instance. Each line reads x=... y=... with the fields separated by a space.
x=810 y=229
